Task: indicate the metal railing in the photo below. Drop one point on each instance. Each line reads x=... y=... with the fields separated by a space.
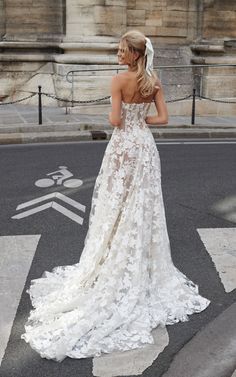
x=197 y=74
x=196 y=91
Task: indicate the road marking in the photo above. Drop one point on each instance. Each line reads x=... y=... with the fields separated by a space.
x=168 y=141
x=59 y=177
x=221 y=245
x=73 y=183
x=17 y=253
x=45 y=182
x=234 y=374
x=58 y=195
x=66 y=212
x=32 y=211
x=194 y=142
x=132 y=362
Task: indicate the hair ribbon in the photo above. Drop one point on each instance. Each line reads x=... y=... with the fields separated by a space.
x=149 y=52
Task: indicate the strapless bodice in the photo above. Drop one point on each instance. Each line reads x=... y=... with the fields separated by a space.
x=134 y=114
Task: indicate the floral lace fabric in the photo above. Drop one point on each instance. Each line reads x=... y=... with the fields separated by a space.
x=125 y=283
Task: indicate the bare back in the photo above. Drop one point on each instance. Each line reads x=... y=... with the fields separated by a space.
x=124 y=89
x=129 y=89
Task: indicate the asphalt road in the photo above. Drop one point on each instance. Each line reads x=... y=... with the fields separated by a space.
x=194 y=177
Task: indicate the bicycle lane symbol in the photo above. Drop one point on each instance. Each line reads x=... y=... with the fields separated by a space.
x=62 y=176
x=19 y=250
x=59 y=177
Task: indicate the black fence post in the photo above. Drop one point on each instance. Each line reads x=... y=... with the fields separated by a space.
x=40 y=104
x=193 y=106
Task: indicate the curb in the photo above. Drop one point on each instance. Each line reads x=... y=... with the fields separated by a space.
x=44 y=137
x=183 y=133
x=98 y=126
x=90 y=135
x=211 y=352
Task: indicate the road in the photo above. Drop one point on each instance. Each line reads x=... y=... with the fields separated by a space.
x=198 y=183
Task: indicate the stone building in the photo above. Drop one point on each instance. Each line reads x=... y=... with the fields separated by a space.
x=41 y=41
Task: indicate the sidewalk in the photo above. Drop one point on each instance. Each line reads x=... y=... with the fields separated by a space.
x=211 y=352
x=19 y=124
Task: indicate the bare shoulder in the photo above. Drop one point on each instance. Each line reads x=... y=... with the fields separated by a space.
x=121 y=76
x=118 y=80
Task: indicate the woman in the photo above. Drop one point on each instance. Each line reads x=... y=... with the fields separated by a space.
x=125 y=283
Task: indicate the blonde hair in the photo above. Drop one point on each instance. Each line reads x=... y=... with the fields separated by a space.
x=133 y=41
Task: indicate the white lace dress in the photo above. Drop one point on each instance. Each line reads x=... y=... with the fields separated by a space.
x=125 y=283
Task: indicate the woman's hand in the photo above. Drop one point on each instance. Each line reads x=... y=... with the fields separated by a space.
x=117 y=125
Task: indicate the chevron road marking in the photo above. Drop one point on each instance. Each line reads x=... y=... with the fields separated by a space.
x=66 y=212
x=32 y=211
x=78 y=219
x=58 y=195
x=17 y=253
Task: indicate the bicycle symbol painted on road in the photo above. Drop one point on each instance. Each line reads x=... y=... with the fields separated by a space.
x=62 y=176
x=59 y=177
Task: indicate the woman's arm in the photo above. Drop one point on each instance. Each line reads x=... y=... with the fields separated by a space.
x=115 y=114
x=162 y=112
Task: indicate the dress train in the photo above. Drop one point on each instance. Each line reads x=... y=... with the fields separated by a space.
x=125 y=283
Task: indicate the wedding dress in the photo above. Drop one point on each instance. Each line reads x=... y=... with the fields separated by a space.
x=125 y=283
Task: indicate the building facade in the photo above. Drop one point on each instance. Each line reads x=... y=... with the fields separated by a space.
x=40 y=42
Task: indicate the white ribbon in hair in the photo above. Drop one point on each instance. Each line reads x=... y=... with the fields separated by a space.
x=149 y=52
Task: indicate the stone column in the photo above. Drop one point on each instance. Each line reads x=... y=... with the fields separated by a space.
x=219 y=19
x=28 y=20
x=195 y=18
x=95 y=18
x=2 y=18
x=92 y=31
x=93 y=28
x=30 y=31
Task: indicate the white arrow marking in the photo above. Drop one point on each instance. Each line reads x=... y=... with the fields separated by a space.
x=17 y=253
x=58 y=195
x=67 y=213
x=221 y=245
x=54 y=205
x=32 y=211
